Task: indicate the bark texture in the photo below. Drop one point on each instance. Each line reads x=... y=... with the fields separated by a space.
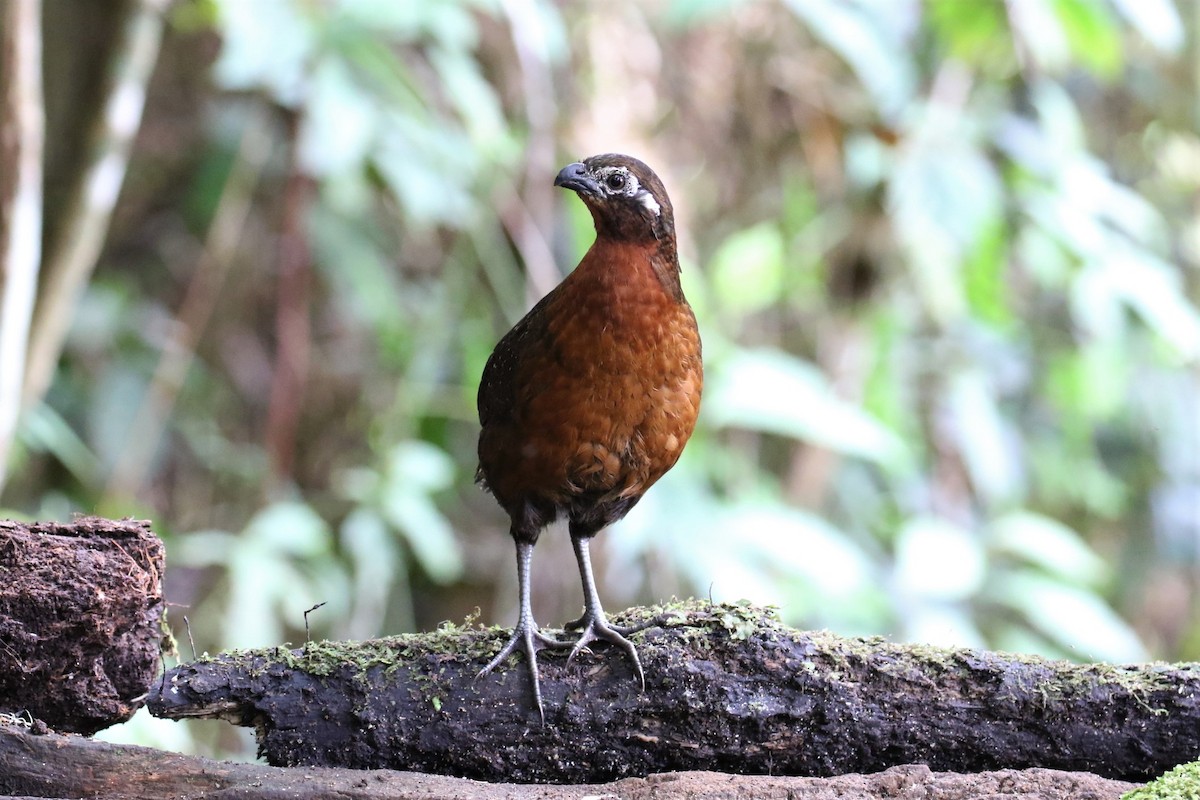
x=71 y=766
x=728 y=688
x=81 y=608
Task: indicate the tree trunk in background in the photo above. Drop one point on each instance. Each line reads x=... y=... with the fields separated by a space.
x=22 y=136
x=91 y=191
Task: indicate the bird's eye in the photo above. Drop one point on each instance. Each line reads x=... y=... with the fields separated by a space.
x=615 y=181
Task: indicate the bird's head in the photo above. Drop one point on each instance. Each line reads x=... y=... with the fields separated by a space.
x=627 y=200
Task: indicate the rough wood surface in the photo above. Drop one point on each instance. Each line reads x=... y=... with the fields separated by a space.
x=81 y=608
x=72 y=766
x=727 y=688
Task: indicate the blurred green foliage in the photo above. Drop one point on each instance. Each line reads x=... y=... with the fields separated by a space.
x=943 y=255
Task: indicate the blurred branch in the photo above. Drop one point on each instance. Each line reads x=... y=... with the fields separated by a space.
x=812 y=470
x=233 y=207
x=76 y=766
x=22 y=137
x=71 y=257
x=292 y=328
x=532 y=208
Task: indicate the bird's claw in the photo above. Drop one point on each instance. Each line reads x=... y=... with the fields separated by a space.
x=531 y=640
x=624 y=630
x=597 y=628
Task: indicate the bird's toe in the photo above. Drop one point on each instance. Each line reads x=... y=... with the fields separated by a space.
x=597 y=628
x=530 y=640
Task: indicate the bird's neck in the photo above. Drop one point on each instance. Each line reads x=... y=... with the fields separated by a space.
x=646 y=265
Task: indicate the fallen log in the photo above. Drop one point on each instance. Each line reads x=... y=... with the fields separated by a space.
x=728 y=688
x=81 y=612
x=72 y=766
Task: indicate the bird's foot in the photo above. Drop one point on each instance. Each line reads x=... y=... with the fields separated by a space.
x=526 y=636
x=595 y=627
x=624 y=630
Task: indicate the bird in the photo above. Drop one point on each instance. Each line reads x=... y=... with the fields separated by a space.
x=591 y=397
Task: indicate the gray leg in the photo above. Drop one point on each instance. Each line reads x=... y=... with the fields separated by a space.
x=593 y=623
x=526 y=635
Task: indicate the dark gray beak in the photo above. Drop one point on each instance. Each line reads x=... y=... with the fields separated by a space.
x=575 y=177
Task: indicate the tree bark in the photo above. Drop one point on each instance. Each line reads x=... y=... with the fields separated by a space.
x=72 y=766
x=81 y=608
x=727 y=688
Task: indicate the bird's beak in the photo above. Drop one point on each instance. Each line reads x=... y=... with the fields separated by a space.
x=575 y=177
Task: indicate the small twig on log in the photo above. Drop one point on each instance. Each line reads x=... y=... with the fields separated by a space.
x=307 y=632
x=735 y=690
x=187 y=624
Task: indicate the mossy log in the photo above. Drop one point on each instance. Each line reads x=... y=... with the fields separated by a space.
x=728 y=688
x=81 y=615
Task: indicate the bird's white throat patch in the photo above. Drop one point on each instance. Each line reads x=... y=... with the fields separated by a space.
x=649 y=203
